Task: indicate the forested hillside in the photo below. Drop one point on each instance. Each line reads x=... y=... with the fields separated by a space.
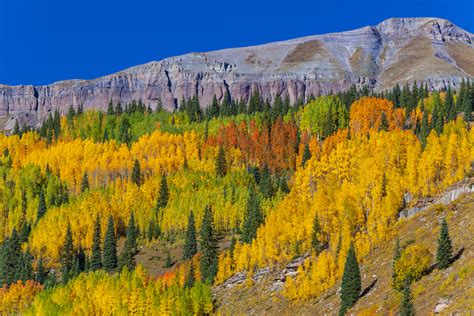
x=238 y=187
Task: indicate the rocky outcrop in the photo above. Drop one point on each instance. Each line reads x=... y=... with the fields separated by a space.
x=395 y=51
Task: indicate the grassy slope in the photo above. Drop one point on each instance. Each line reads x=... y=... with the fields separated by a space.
x=456 y=283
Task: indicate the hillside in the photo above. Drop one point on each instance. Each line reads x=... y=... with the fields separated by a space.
x=448 y=292
x=398 y=50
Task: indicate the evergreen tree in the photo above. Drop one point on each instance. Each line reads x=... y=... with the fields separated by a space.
x=214 y=109
x=67 y=255
x=316 y=236
x=384 y=122
x=265 y=184
x=351 y=282
x=96 y=256
x=124 y=131
x=190 y=243
x=208 y=247
x=16 y=128
x=221 y=165
x=449 y=105
x=163 y=194
x=168 y=261
x=41 y=273
x=406 y=305
x=444 y=254
x=190 y=277
x=306 y=155
x=10 y=259
x=397 y=252
x=130 y=247
x=118 y=108
x=110 y=247
x=25 y=232
x=425 y=129
x=110 y=109
x=253 y=218
x=71 y=113
x=136 y=173
x=41 y=206
x=25 y=270
x=85 y=182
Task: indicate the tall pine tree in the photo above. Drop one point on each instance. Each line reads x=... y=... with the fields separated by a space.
x=96 y=256
x=406 y=305
x=85 y=182
x=253 y=217
x=208 y=247
x=136 y=173
x=110 y=247
x=306 y=155
x=41 y=206
x=190 y=243
x=444 y=254
x=130 y=247
x=163 y=194
x=67 y=255
x=221 y=165
x=351 y=281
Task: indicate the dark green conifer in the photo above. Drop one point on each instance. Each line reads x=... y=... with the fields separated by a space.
x=208 y=247
x=96 y=256
x=190 y=277
x=253 y=217
x=130 y=247
x=110 y=247
x=316 y=242
x=265 y=184
x=306 y=155
x=41 y=206
x=351 y=282
x=67 y=255
x=85 y=182
x=163 y=195
x=25 y=270
x=41 y=273
x=406 y=305
x=190 y=243
x=221 y=165
x=168 y=261
x=25 y=232
x=136 y=173
x=444 y=254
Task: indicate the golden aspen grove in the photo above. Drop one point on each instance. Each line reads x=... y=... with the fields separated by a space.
x=212 y=192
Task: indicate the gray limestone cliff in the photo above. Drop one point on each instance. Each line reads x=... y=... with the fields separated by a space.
x=397 y=50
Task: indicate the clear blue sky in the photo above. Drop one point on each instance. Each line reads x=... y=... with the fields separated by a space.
x=43 y=41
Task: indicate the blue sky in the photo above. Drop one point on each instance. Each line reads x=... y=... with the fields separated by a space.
x=43 y=41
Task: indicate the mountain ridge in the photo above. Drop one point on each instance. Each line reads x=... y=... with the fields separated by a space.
x=397 y=50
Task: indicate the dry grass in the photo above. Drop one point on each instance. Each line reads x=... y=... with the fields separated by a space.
x=463 y=54
x=416 y=60
x=305 y=52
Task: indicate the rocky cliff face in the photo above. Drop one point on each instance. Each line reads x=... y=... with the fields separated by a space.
x=395 y=51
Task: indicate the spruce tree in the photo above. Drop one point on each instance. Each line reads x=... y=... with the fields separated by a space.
x=214 y=109
x=16 y=128
x=96 y=256
x=25 y=232
x=67 y=255
x=190 y=277
x=110 y=109
x=168 y=261
x=306 y=155
x=208 y=247
x=449 y=105
x=406 y=305
x=253 y=217
x=41 y=272
x=190 y=243
x=10 y=259
x=41 y=206
x=444 y=254
x=221 y=165
x=85 y=182
x=265 y=184
x=130 y=247
x=316 y=236
x=25 y=270
x=110 y=247
x=351 y=282
x=163 y=195
x=136 y=173
x=397 y=252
